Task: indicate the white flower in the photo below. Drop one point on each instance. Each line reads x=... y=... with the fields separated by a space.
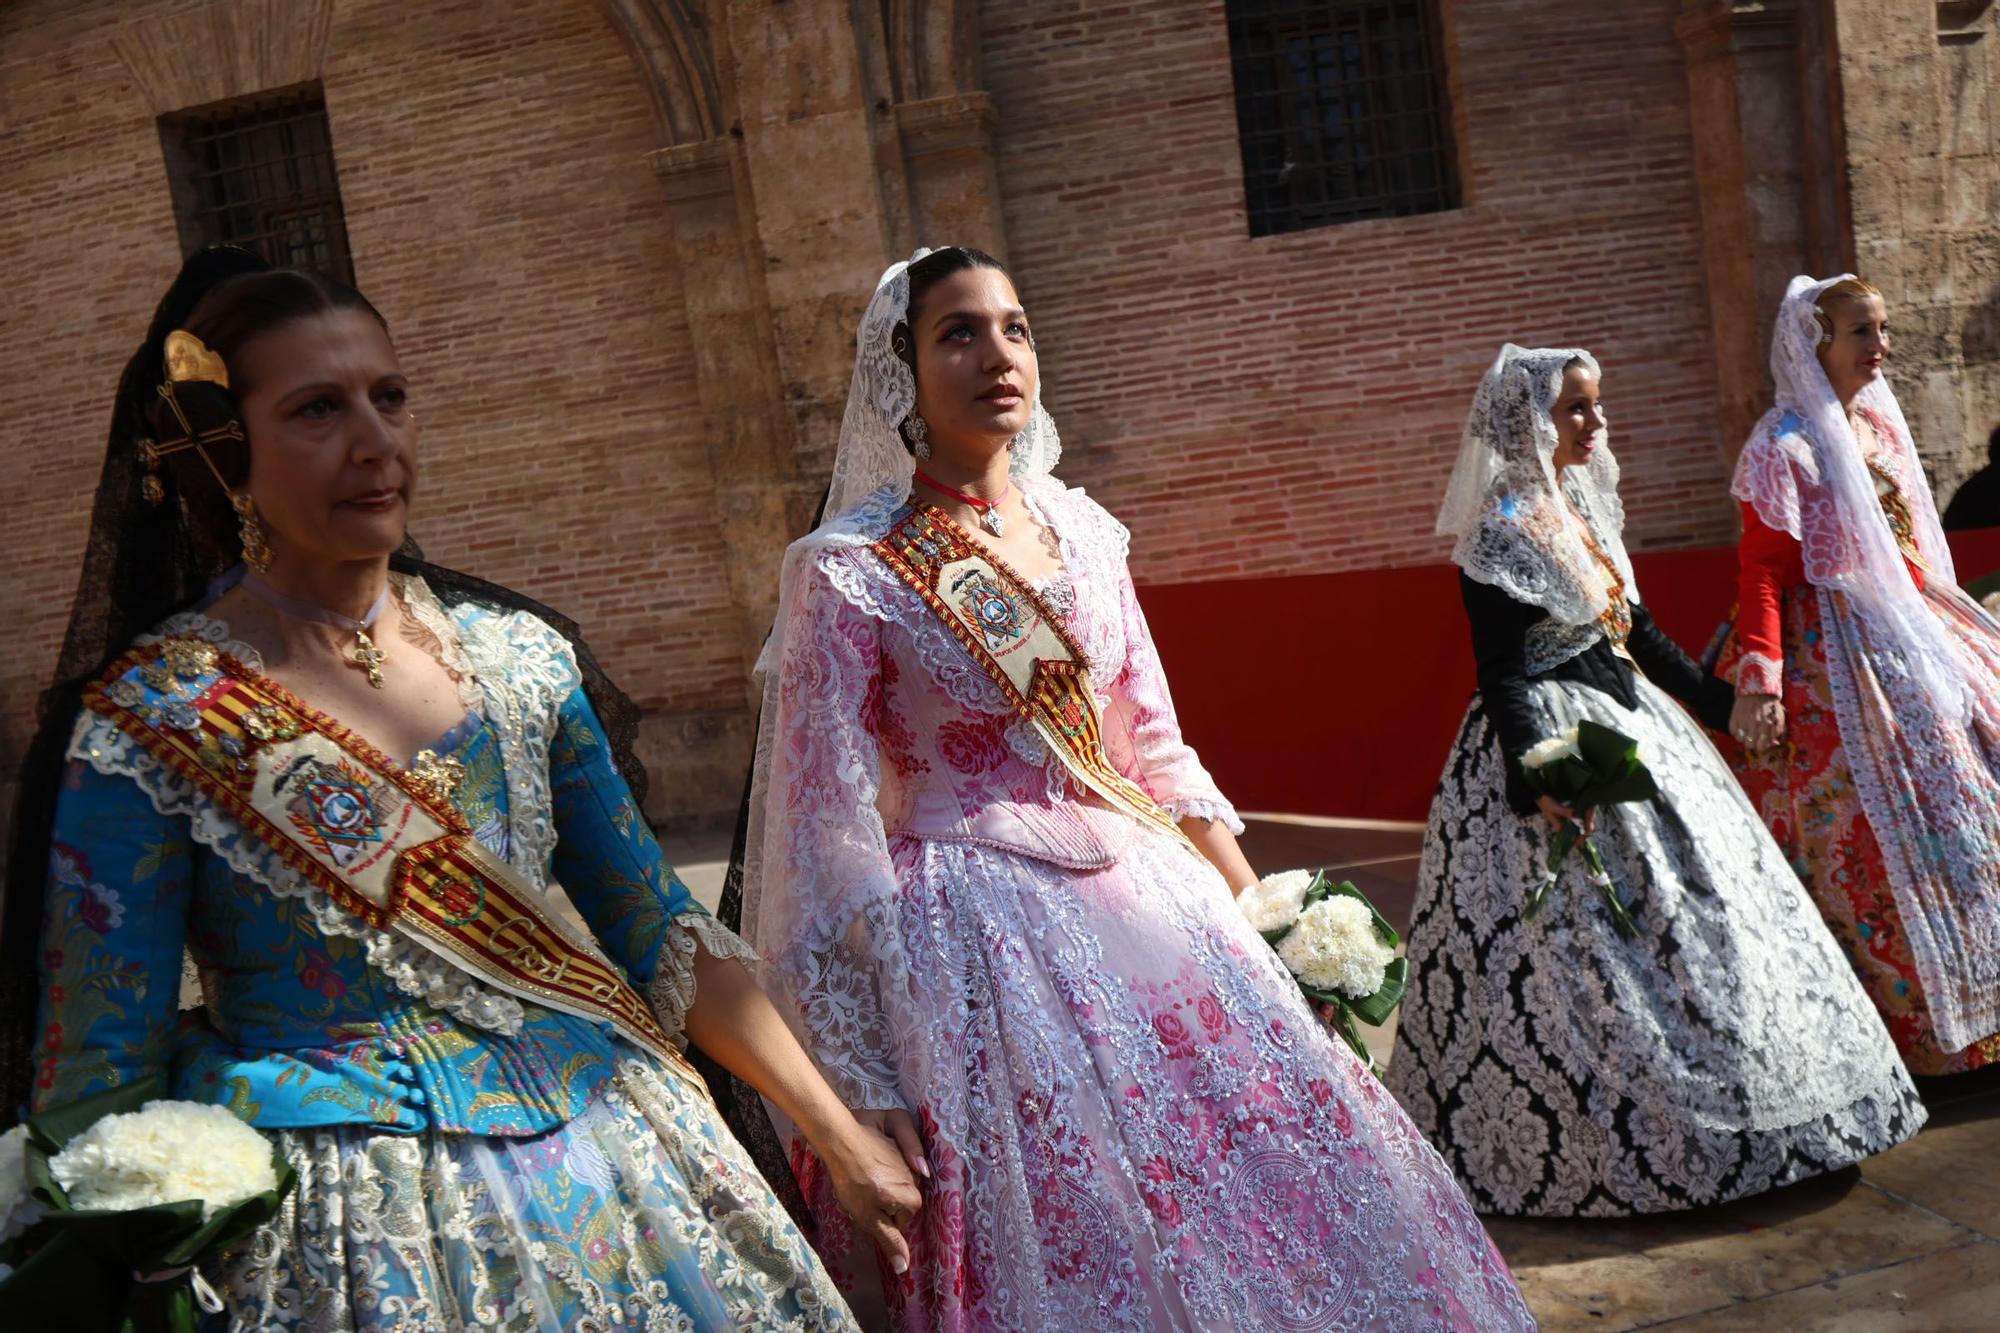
x=1274 y=902
x=166 y=1152
x=1551 y=750
x=19 y=1209
x=1334 y=947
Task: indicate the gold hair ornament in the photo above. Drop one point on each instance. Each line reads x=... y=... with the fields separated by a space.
x=188 y=361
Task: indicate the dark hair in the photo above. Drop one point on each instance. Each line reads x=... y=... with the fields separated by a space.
x=925 y=274
x=231 y=316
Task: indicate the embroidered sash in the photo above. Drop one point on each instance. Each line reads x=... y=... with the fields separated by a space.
x=1019 y=643
x=384 y=843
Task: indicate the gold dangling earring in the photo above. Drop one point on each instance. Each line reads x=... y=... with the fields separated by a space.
x=256 y=551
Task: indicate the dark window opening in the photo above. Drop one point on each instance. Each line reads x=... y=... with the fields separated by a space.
x=1342 y=111
x=259 y=173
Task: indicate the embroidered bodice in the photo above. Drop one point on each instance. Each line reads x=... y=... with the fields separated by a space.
x=881 y=728
x=311 y=1016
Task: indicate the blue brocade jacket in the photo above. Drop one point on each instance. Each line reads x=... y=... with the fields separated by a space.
x=312 y=1017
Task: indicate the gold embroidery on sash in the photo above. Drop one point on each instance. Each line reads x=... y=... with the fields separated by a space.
x=381 y=841
x=1020 y=643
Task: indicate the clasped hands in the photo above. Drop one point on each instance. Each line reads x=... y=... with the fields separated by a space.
x=1758 y=722
x=874 y=1178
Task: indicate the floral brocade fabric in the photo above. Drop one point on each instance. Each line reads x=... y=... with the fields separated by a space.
x=465 y=1160
x=1807 y=795
x=1565 y=1070
x=1132 y=1120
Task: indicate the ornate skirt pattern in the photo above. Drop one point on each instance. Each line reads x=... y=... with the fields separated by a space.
x=1563 y=1070
x=640 y=1213
x=1806 y=794
x=1135 y=1123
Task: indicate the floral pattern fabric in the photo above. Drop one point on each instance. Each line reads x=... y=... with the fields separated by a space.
x=1132 y=1119
x=1807 y=795
x=428 y=1135
x=1564 y=1070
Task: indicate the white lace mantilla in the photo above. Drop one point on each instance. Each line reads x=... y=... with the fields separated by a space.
x=512 y=668
x=1520 y=524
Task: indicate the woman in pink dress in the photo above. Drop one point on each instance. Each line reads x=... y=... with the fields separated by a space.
x=993 y=887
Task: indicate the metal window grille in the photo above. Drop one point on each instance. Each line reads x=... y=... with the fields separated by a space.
x=1341 y=110
x=259 y=174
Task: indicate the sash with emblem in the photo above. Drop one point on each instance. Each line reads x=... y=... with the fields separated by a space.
x=382 y=841
x=1019 y=643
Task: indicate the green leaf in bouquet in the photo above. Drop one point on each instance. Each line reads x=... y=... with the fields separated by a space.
x=1271 y=937
x=1374 y=1010
x=85 y=1270
x=1564 y=780
x=1606 y=750
x=1342 y=1022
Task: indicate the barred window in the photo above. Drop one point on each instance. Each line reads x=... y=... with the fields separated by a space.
x=259 y=173
x=1341 y=110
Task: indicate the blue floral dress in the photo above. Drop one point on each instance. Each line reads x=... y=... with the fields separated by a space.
x=465 y=1159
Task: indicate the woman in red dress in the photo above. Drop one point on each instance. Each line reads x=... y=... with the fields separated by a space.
x=1868 y=684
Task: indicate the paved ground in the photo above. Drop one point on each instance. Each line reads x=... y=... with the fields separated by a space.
x=1909 y=1242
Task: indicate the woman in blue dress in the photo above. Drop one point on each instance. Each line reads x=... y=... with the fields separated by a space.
x=372 y=803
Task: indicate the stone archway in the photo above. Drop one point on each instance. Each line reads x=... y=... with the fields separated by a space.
x=803 y=144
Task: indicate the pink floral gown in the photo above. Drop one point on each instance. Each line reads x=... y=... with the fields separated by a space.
x=1131 y=1119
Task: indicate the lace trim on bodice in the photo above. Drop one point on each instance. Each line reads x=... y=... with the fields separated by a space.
x=512 y=668
x=1552 y=642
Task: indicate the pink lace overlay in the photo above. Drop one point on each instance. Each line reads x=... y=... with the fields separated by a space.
x=1132 y=1119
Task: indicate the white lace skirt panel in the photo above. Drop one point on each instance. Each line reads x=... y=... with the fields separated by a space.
x=1646 y=1069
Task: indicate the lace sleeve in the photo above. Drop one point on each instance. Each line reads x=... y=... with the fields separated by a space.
x=1167 y=765
x=820 y=888
x=1768 y=472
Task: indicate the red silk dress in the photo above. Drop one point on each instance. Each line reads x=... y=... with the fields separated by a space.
x=1806 y=791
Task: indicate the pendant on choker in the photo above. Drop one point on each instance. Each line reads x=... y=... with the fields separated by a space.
x=367 y=657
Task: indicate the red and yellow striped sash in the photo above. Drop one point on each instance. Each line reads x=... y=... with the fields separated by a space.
x=378 y=839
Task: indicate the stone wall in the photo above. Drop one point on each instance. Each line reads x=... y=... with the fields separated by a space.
x=1922 y=107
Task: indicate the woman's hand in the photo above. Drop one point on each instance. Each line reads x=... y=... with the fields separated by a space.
x=872 y=1167
x=733 y=1020
x=1758 y=721
x=1559 y=814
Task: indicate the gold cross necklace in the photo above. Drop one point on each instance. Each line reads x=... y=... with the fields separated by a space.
x=364 y=656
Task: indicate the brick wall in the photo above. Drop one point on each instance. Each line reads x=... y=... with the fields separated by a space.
x=1292 y=404
x=503 y=218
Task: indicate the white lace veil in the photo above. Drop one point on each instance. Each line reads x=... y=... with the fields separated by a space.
x=817 y=895
x=872 y=469
x=1505 y=503
x=1803 y=472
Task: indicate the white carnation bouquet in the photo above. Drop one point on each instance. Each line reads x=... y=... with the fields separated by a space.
x=1336 y=946
x=108 y=1205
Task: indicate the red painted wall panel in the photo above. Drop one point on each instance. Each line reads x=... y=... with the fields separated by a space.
x=1340 y=694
